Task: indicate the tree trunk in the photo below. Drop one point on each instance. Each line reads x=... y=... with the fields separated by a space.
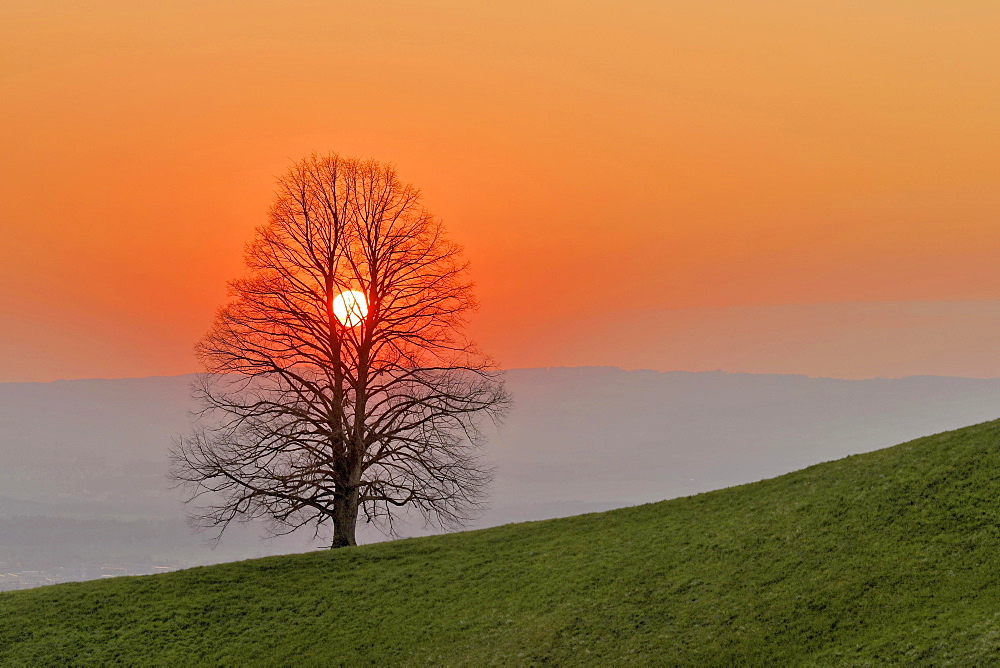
x=345 y=519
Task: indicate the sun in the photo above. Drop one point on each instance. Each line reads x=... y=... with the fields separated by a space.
x=350 y=307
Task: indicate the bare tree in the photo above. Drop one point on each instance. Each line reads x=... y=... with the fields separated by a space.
x=339 y=378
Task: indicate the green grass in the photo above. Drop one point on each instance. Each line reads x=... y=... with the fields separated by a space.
x=890 y=556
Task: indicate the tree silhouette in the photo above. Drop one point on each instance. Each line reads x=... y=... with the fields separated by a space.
x=339 y=379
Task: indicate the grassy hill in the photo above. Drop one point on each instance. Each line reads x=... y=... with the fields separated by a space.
x=890 y=556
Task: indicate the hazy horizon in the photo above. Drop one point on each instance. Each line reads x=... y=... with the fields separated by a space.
x=95 y=450
x=561 y=366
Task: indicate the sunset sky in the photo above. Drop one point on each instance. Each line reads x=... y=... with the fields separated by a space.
x=749 y=186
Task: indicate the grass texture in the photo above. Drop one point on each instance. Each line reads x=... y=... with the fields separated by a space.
x=886 y=557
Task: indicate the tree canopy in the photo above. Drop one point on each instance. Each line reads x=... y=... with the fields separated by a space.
x=340 y=382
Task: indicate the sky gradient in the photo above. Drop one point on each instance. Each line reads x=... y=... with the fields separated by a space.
x=671 y=185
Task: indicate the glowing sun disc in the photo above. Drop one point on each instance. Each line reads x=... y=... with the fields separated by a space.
x=350 y=307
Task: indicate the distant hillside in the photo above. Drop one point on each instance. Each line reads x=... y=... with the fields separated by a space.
x=578 y=440
x=890 y=556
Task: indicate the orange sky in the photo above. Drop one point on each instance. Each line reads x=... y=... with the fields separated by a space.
x=611 y=168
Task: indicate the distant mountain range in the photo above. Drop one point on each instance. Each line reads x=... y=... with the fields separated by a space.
x=577 y=440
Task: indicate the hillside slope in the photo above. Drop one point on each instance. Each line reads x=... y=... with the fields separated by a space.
x=82 y=461
x=892 y=555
